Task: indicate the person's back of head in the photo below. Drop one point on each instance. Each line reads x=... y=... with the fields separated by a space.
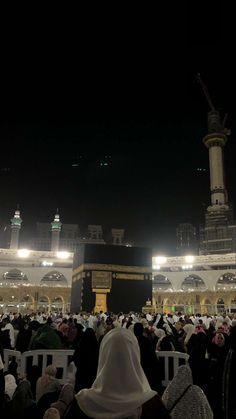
x=51 y=413
x=48 y=376
x=183 y=399
x=138 y=329
x=165 y=344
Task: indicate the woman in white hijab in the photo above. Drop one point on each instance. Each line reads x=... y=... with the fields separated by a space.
x=120 y=389
x=185 y=400
x=10 y=385
x=189 y=330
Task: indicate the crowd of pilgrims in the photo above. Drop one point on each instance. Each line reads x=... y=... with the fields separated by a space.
x=118 y=374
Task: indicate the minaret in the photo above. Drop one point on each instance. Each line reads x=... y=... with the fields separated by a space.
x=215 y=140
x=217 y=235
x=15 y=230
x=55 y=229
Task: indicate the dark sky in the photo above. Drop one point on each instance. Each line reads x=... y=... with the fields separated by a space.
x=126 y=90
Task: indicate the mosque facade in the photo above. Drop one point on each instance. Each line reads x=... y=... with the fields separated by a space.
x=35 y=280
x=41 y=279
x=195 y=284
x=32 y=280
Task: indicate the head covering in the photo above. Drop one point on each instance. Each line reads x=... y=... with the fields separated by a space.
x=51 y=413
x=138 y=329
x=50 y=372
x=22 y=398
x=116 y=323
x=65 y=397
x=48 y=383
x=10 y=385
x=189 y=330
x=193 y=404
x=219 y=339
x=121 y=386
x=144 y=322
x=159 y=333
x=199 y=329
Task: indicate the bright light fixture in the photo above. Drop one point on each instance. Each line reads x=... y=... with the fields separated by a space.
x=186 y=267
x=160 y=260
x=189 y=259
x=23 y=253
x=63 y=255
x=46 y=263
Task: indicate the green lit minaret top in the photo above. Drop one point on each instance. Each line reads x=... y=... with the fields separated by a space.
x=16 y=220
x=56 y=224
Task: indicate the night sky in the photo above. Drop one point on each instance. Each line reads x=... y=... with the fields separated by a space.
x=107 y=123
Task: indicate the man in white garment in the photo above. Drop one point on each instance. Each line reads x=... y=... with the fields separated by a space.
x=8 y=326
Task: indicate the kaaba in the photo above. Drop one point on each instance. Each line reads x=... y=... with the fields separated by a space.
x=111 y=278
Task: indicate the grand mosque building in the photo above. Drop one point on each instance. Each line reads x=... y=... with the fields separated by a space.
x=67 y=270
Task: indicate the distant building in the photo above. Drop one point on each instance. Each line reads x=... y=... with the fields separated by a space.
x=39 y=277
x=195 y=284
x=70 y=236
x=35 y=280
x=186 y=239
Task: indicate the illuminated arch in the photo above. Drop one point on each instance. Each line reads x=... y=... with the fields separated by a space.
x=192 y=283
x=54 y=278
x=161 y=283
x=226 y=281
x=14 y=276
x=220 y=304
x=27 y=299
x=43 y=299
x=58 y=299
x=43 y=302
x=207 y=301
x=12 y=299
x=233 y=305
x=57 y=303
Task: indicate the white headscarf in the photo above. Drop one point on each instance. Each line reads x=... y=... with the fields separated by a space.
x=10 y=385
x=159 y=333
x=189 y=330
x=121 y=386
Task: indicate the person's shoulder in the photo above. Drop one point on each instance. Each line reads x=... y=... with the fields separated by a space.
x=154 y=408
x=198 y=391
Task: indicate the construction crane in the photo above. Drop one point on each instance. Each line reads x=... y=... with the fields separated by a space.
x=224 y=130
x=206 y=93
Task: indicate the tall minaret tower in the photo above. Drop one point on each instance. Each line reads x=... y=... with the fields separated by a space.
x=216 y=237
x=55 y=229
x=15 y=230
x=215 y=141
